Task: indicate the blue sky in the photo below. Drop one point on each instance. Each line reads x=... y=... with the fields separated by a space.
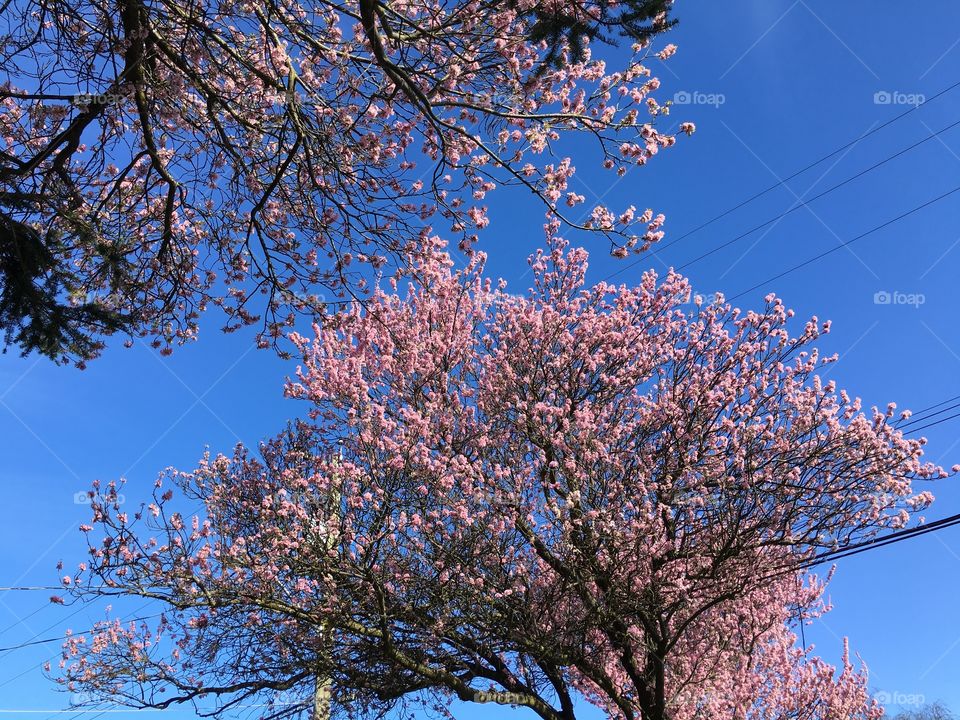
x=774 y=84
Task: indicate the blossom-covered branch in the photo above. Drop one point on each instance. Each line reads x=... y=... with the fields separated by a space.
x=156 y=157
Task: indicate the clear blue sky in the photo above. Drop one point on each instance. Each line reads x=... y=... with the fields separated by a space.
x=797 y=79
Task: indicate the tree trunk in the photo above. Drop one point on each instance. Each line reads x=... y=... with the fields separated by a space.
x=321 y=699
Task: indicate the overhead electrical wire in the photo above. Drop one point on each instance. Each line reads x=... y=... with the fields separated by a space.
x=924 y=427
x=821 y=160
x=802 y=204
x=936 y=405
x=798 y=206
x=847 y=243
x=5 y=651
x=22 y=620
x=9 y=588
x=923 y=416
x=60 y=638
x=881 y=541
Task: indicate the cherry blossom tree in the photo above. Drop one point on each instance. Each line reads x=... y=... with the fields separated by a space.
x=598 y=493
x=271 y=157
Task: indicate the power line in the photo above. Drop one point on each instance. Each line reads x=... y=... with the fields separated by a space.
x=48 y=587
x=921 y=415
x=76 y=711
x=801 y=204
x=54 y=657
x=805 y=203
x=936 y=405
x=846 y=243
x=882 y=541
x=24 y=619
x=30 y=587
x=915 y=420
x=890 y=538
x=924 y=427
x=32 y=641
x=60 y=638
x=812 y=165
x=935 y=422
